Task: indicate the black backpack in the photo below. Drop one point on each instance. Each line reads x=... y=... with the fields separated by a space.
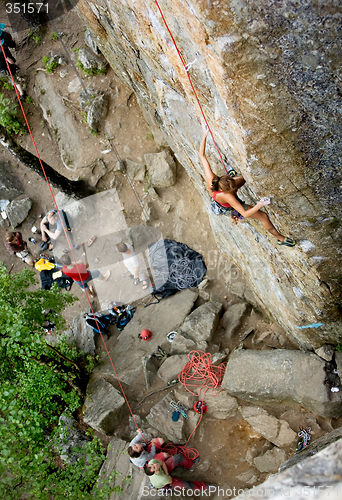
x=47 y=280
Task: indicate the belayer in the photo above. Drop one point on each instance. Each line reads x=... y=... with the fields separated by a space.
x=223 y=191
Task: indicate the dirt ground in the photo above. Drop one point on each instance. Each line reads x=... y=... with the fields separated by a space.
x=178 y=214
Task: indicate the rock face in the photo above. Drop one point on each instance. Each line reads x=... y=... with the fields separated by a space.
x=264 y=73
x=104 y=406
x=161 y=168
x=69 y=438
x=18 y=210
x=283 y=375
x=276 y=431
x=10 y=186
x=270 y=461
x=317 y=476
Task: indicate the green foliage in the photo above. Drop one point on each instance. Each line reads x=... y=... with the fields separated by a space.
x=94 y=132
x=8 y=113
x=50 y=64
x=33 y=35
x=339 y=347
x=29 y=99
x=76 y=49
x=147 y=175
x=91 y=71
x=34 y=392
x=149 y=136
x=54 y=37
x=4 y=82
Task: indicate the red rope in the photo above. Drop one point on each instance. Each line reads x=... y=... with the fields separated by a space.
x=66 y=234
x=200 y=373
x=191 y=84
x=173 y=449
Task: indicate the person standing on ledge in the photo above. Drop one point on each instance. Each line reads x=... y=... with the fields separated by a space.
x=223 y=191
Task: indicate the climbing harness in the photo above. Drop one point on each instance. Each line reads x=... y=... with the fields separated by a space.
x=305 y=436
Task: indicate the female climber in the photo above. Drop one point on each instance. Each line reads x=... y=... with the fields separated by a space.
x=223 y=191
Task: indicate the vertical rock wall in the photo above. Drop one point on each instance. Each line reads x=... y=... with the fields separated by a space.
x=267 y=76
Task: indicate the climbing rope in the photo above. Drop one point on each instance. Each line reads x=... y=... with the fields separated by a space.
x=174 y=449
x=187 y=70
x=200 y=373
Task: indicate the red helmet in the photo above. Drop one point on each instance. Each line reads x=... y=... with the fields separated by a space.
x=145 y=334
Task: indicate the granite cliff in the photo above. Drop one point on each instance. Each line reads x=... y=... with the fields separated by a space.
x=266 y=75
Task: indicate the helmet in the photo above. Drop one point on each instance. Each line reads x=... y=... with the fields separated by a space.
x=200 y=407
x=145 y=334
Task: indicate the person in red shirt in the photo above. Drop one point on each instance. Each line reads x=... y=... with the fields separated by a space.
x=17 y=246
x=78 y=271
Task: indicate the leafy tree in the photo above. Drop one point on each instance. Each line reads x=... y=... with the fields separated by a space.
x=39 y=382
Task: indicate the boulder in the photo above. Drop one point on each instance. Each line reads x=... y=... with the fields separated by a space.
x=135 y=171
x=150 y=368
x=161 y=168
x=282 y=376
x=221 y=406
x=183 y=345
x=98 y=171
x=10 y=186
x=68 y=438
x=326 y=352
x=77 y=211
x=232 y=318
x=90 y=60
x=338 y=360
x=276 y=431
x=18 y=210
x=104 y=406
x=89 y=41
x=126 y=475
x=97 y=111
x=200 y=325
x=83 y=335
x=172 y=366
x=161 y=419
x=270 y=461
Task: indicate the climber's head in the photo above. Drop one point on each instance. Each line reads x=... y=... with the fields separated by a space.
x=225 y=183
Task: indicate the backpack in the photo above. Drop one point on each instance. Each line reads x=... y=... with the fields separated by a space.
x=47 y=281
x=121 y=314
x=102 y=322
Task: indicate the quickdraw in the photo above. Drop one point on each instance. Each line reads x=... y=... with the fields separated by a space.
x=177 y=406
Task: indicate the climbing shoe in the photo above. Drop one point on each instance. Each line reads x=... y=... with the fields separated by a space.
x=195 y=463
x=288 y=242
x=232 y=172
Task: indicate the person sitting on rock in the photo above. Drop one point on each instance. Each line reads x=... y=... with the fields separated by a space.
x=78 y=271
x=141 y=453
x=223 y=191
x=17 y=246
x=159 y=473
x=51 y=219
x=5 y=55
x=132 y=263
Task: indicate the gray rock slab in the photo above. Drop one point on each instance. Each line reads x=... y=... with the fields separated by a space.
x=161 y=169
x=201 y=323
x=274 y=430
x=104 y=406
x=232 y=318
x=135 y=170
x=172 y=366
x=10 y=186
x=68 y=438
x=338 y=359
x=60 y=120
x=131 y=479
x=83 y=335
x=221 y=406
x=270 y=461
x=160 y=319
x=317 y=476
x=161 y=419
x=279 y=376
x=326 y=352
x=150 y=368
x=91 y=60
x=18 y=210
x=89 y=41
x=182 y=345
